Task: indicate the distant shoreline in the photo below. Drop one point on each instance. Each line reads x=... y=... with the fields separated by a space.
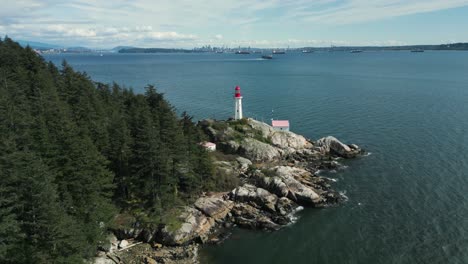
x=455 y=46
x=79 y=50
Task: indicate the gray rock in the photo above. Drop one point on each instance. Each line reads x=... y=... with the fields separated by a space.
x=284 y=184
x=229 y=146
x=331 y=145
x=123 y=244
x=215 y=206
x=257 y=150
x=174 y=255
x=195 y=225
x=248 y=216
x=265 y=129
x=284 y=206
x=102 y=258
x=287 y=139
x=250 y=193
x=244 y=163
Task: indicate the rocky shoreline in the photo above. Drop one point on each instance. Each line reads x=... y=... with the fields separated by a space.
x=278 y=174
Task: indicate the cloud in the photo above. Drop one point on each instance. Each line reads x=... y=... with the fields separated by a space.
x=181 y=22
x=67 y=31
x=356 y=11
x=174 y=36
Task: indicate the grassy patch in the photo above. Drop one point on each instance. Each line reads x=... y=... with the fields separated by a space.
x=171 y=219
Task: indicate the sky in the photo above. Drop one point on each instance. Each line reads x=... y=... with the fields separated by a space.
x=233 y=23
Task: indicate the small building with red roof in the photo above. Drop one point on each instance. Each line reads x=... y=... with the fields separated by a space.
x=210 y=146
x=281 y=125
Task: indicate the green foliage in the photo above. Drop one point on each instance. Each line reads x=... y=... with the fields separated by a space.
x=74 y=153
x=239 y=122
x=240 y=130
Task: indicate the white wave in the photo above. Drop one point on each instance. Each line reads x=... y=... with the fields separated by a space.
x=331 y=179
x=299 y=208
x=293 y=217
x=343 y=194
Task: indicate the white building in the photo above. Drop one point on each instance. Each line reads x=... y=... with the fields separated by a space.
x=210 y=146
x=281 y=125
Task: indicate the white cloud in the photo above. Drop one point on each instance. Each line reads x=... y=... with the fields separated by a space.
x=355 y=11
x=169 y=36
x=183 y=22
x=68 y=31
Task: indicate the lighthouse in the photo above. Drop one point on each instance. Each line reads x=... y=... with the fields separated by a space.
x=238 y=104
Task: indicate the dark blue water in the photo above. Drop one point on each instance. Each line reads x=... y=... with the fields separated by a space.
x=408 y=200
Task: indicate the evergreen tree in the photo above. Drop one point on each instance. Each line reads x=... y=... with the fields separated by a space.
x=74 y=153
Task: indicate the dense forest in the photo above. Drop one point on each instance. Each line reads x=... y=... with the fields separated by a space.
x=74 y=154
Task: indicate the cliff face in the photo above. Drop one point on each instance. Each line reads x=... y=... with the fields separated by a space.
x=277 y=171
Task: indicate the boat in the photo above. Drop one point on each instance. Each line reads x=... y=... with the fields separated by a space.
x=219 y=51
x=278 y=52
x=257 y=52
x=307 y=51
x=417 y=50
x=356 y=51
x=242 y=52
x=267 y=57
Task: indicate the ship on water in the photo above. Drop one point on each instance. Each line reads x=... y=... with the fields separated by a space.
x=279 y=52
x=356 y=51
x=267 y=57
x=242 y=52
x=307 y=51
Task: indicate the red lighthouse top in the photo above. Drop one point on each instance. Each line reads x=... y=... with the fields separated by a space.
x=237 y=93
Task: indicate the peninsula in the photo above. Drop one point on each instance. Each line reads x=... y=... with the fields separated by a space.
x=94 y=172
x=277 y=173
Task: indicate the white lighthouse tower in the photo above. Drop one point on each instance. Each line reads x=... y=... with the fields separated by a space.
x=238 y=104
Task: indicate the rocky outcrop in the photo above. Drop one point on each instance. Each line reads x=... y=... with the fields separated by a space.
x=277 y=171
x=258 y=151
x=150 y=254
x=244 y=163
x=173 y=255
x=331 y=145
x=195 y=226
x=286 y=139
x=251 y=194
x=248 y=216
x=283 y=182
x=215 y=207
x=265 y=129
x=258 y=208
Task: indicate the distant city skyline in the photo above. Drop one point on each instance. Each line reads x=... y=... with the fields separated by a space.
x=232 y=23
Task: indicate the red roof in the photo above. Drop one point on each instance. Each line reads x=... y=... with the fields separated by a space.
x=280 y=123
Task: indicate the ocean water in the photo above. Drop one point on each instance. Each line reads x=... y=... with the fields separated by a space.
x=408 y=199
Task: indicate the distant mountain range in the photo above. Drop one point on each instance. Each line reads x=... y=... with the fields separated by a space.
x=38 y=45
x=130 y=49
